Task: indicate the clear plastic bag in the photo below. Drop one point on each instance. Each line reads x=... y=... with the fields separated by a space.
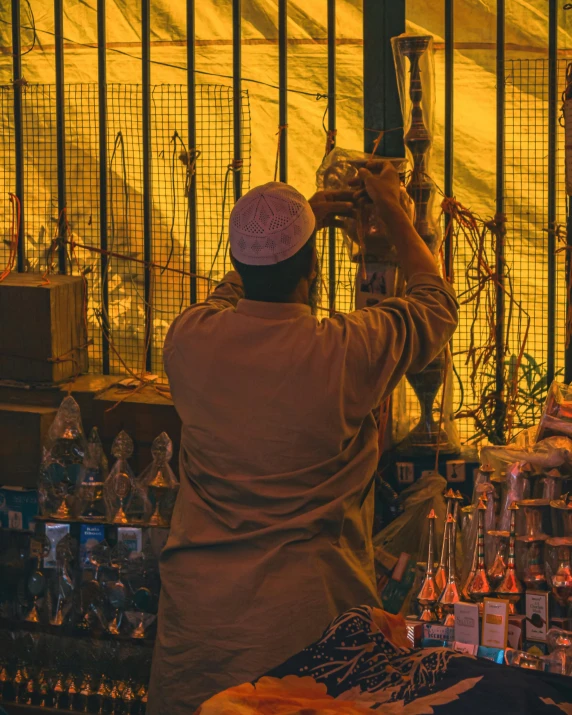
x=89 y=504
x=550 y=453
x=62 y=459
x=159 y=481
x=125 y=500
x=364 y=236
x=409 y=533
x=557 y=414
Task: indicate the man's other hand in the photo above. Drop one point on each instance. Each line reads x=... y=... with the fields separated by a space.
x=384 y=189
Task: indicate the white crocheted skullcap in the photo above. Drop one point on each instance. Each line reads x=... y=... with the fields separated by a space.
x=270 y=224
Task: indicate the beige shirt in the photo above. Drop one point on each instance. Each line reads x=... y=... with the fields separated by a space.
x=271 y=534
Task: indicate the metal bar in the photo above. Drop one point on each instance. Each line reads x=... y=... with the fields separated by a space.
x=103 y=242
x=237 y=94
x=332 y=141
x=500 y=406
x=552 y=151
x=283 y=85
x=382 y=20
x=60 y=131
x=146 y=127
x=449 y=127
x=18 y=128
x=568 y=351
x=192 y=130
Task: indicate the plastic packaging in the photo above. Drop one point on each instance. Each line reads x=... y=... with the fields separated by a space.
x=89 y=504
x=557 y=414
x=159 y=481
x=409 y=532
x=125 y=501
x=551 y=453
x=62 y=458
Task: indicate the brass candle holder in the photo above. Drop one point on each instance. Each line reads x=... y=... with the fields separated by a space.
x=552 y=485
x=561 y=579
x=478 y=586
x=122 y=484
x=158 y=488
x=510 y=587
x=428 y=595
x=498 y=568
x=532 y=540
x=530 y=479
x=441 y=573
x=561 y=512
x=451 y=593
x=533 y=572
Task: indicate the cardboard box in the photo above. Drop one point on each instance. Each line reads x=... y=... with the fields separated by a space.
x=495 y=623
x=537 y=607
x=43 y=328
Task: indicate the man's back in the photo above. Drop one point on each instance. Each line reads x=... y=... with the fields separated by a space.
x=271 y=535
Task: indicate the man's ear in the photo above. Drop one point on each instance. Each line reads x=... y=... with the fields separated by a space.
x=232 y=260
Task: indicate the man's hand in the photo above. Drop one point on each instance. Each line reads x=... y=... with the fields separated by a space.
x=328 y=205
x=384 y=189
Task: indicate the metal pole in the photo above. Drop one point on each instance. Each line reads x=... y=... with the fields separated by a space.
x=18 y=128
x=332 y=140
x=237 y=94
x=552 y=150
x=103 y=242
x=449 y=127
x=60 y=131
x=568 y=352
x=382 y=20
x=283 y=85
x=147 y=215
x=500 y=407
x=192 y=131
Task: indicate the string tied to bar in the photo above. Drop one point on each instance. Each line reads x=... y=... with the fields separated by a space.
x=189 y=159
x=281 y=129
x=331 y=135
x=236 y=165
x=14 y=239
x=62 y=231
x=21 y=82
x=376 y=142
x=380 y=133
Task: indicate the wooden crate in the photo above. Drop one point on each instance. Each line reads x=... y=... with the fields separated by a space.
x=43 y=328
x=24 y=429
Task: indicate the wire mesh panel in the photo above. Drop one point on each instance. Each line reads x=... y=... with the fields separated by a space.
x=170 y=240
x=214 y=180
x=126 y=277
x=7 y=171
x=40 y=174
x=82 y=214
x=527 y=117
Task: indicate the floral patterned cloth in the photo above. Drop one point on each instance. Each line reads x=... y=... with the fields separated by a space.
x=362 y=664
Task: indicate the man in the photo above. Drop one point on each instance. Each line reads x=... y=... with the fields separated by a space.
x=271 y=533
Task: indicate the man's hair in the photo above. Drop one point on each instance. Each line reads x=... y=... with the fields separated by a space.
x=276 y=282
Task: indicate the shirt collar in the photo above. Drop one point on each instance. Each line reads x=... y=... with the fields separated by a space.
x=272 y=311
